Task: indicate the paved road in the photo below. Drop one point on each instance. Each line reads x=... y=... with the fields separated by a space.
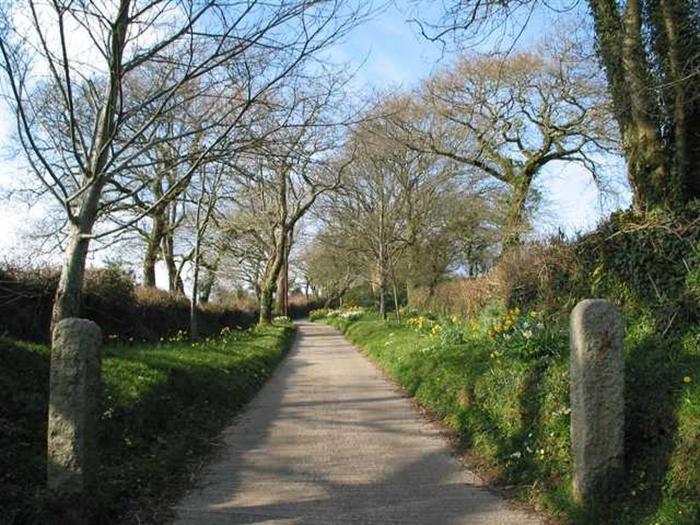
x=329 y=441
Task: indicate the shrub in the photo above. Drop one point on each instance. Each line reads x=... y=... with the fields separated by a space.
x=462 y=297
x=111 y=298
x=318 y=314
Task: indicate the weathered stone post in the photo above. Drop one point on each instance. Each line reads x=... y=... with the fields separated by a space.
x=73 y=415
x=597 y=399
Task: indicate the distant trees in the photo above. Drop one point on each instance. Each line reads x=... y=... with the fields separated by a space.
x=443 y=176
x=398 y=216
x=88 y=115
x=278 y=182
x=651 y=53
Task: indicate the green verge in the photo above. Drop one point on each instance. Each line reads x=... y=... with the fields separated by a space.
x=508 y=401
x=162 y=406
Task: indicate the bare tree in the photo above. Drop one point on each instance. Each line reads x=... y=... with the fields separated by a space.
x=511 y=117
x=282 y=179
x=651 y=53
x=245 y=46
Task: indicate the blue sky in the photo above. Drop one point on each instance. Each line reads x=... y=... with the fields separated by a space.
x=390 y=55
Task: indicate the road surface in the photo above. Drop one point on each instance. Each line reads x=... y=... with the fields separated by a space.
x=328 y=440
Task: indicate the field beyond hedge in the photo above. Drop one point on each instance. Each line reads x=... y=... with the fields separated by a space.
x=501 y=383
x=162 y=405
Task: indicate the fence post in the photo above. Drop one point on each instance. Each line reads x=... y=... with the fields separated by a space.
x=597 y=399
x=73 y=415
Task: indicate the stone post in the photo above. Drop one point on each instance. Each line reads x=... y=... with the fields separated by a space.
x=597 y=401
x=73 y=415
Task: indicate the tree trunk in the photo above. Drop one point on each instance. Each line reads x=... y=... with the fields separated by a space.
x=649 y=175
x=175 y=284
x=410 y=286
x=678 y=44
x=281 y=293
x=67 y=299
x=515 y=216
x=194 y=321
x=208 y=285
x=396 y=300
x=266 y=304
x=621 y=49
x=382 y=287
x=194 y=307
x=382 y=302
x=152 y=250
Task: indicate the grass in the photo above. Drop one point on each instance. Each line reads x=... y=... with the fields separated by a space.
x=162 y=405
x=506 y=396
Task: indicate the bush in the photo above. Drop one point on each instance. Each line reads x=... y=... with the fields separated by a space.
x=300 y=307
x=318 y=314
x=111 y=299
x=349 y=313
x=461 y=297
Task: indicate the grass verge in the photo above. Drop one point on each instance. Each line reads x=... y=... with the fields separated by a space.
x=506 y=395
x=161 y=407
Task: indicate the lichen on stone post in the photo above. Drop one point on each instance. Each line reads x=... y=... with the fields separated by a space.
x=73 y=416
x=597 y=399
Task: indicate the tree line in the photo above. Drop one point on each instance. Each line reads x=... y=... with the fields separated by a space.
x=218 y=136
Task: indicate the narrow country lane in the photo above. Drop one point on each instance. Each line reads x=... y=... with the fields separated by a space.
x=329 y=441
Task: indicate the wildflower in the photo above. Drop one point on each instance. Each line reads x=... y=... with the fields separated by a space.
x=454 y=319
x=533 y=314
x=516 y=454
x=436 y=329
x=527 y=334
x=687 y=380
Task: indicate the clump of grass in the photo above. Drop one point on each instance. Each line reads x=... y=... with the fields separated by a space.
x=161 y=407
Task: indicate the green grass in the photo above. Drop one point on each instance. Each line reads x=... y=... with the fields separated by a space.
x=508 y=401
x=161 y=408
